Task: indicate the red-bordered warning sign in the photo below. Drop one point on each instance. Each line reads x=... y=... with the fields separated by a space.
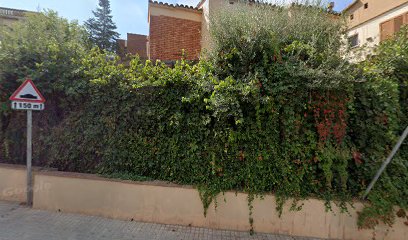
x=27 y=92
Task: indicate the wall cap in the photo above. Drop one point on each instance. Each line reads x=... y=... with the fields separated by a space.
x=88 y=176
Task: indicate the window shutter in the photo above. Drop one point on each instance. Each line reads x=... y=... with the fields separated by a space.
x=386 y=29
x=398 y=22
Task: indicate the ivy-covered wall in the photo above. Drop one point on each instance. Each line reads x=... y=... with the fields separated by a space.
x=275 y=108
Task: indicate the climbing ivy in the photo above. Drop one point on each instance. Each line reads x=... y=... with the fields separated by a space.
x=265 y=112
x=274 y=108
x=379 y=117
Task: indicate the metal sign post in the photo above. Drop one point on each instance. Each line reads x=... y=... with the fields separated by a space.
x=29 y=158
x=27 y=97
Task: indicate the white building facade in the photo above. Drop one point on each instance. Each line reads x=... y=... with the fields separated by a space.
x=372 y=21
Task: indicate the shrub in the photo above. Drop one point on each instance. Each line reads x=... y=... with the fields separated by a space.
x=380 y=117
x=43 y=47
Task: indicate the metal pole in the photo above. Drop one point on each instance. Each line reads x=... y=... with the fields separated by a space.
x=29 y=158
x=387 y=161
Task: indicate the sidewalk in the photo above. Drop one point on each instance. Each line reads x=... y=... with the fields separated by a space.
x=20 y=223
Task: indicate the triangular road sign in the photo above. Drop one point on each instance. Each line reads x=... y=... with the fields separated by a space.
x=27 y=92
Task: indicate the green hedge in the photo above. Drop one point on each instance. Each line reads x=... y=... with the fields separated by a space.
x=268 y=111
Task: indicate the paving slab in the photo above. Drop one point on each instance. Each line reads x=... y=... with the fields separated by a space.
x=22 y=223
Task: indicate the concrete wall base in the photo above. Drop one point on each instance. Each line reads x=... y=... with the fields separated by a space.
x=174 y=204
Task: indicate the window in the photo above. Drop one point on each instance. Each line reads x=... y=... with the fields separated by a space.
x=365 y=5
x=351 y=16
x=353 y=40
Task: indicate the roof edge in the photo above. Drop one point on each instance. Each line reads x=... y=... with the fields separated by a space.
x=350 y=5
x=170 y=5
x=17 y=10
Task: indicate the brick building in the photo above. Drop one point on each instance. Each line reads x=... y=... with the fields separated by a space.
x=134 y=44
x=177 y=30
x=174 y=31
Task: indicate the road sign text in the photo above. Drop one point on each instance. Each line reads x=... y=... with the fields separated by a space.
x=27 y=106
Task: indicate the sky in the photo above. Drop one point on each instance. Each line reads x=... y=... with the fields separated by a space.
x=130 y=16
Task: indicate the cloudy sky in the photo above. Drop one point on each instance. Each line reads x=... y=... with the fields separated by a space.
x=129 y=15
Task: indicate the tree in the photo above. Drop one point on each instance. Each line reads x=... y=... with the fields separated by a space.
x=101 y=27
x=47 y=49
